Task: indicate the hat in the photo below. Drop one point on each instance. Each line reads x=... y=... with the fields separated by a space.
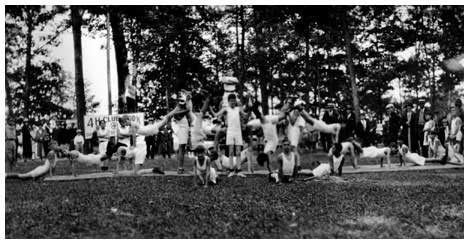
x=79 y=130
x=427 y=105
x=389 y=106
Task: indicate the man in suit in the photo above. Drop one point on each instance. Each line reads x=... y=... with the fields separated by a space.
x=410 y=129
x=350 y=125
x=329 y=118
x=362 y=130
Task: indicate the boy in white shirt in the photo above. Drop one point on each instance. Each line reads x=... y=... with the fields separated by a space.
x=234 y=139
x=79 y=141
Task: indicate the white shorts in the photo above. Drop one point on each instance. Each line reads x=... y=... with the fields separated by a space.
x=182 y=134
x=234 y=138
x=270 y=146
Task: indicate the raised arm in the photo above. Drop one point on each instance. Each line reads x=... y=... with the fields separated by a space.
x=205 y=106
x=221 y=112
x=258 y=113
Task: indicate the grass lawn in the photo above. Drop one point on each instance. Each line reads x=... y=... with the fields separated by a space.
x=419 y=204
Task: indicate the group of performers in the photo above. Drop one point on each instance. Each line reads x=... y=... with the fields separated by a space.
x=237 y=129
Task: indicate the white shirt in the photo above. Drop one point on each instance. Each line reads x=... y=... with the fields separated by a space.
x=233 y=119
x=78 y=139
x=103 y=134
x=288 y=163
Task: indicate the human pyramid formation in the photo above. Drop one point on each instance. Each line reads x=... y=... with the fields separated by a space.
x=241 y=121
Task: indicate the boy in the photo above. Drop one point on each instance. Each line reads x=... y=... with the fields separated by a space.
x=334 y=165
x=288 y=161
x=89 y=160
x=197 y=134
x=78 y=141
x=182 y=121
x=268 y=125
x=202 y=168
x=234 y=139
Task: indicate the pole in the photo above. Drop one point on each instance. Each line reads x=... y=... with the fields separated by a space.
x=108 y=63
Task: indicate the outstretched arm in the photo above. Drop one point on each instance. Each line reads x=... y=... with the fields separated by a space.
x=307 y=117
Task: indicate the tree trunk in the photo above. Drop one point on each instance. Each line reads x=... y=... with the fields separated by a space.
x=261 y=59
x=121 y=56
x=28 y=72
x=242 y=49
x=352 y=75
x=79 y=85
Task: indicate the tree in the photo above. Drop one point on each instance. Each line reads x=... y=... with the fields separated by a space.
x=76 y=15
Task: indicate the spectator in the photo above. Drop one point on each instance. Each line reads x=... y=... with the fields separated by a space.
x=329 y=117
x=420 y=112
x=40 y=134
x=410 y=129
x=79 y=141
x=427 y=128
x=10 y=145
x=392 y=125
x=455 y=133
x=94 y=141
x=458 y=106
x=71 y=132
x=150 y=141
x=103 y=135
x=27 y=148
x=443 y=131
x=46 y=137
x=363 y=130
x=62 y=136
x=350 y=125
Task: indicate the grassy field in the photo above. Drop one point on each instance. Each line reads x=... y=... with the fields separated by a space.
x=424 y=204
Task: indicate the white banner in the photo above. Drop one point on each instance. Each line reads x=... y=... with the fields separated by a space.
x=112 y=122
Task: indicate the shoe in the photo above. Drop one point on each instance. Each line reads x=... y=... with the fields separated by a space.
x=231 y=174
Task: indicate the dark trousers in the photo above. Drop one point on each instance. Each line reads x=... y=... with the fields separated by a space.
x=326 y=141
x=150 y=150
